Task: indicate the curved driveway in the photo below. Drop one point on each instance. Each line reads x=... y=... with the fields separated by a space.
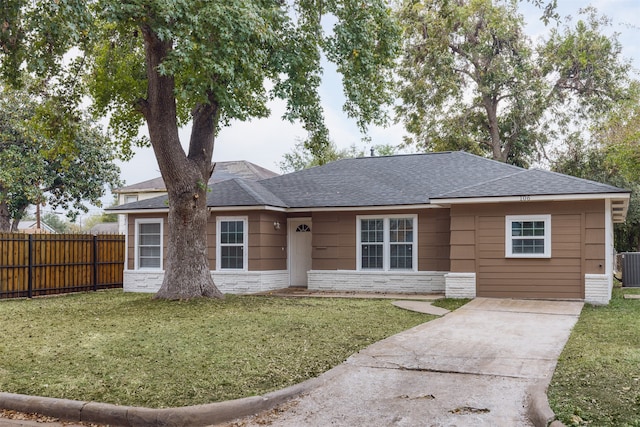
x=472 y=367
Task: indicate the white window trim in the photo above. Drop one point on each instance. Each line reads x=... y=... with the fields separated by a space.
x=245 y=242
x=386 y=247
x=508 y=244
x=137 y=239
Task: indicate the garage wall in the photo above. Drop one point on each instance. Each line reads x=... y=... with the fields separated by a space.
x=577 y=248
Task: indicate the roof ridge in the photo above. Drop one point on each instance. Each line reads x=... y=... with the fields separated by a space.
x=490 y=160
x=247 y=186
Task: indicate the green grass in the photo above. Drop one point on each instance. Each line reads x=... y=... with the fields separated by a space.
x=131 y=350
x=450 y=304
x=597 y=380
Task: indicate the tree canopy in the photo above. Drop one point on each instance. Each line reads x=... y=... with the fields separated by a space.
x=618 y=135
x=168 y=63
x=471 y=79
x=35 y=170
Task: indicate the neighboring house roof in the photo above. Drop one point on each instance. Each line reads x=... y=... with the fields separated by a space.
x=414 y=179
x=30 y=226
x=104 y=228
x=222 y=172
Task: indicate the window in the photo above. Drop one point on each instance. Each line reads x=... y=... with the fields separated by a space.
x=303 y=228
x=231 y=243
x=148 y=249
x=130 y=198
x=387 y=242
x=528 y=236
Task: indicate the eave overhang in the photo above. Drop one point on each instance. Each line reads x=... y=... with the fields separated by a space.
x=619 y=201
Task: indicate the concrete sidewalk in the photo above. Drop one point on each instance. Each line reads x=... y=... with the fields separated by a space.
x=486 y=364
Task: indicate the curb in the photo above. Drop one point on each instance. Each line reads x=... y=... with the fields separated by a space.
x=538 y=409
x=130 y=416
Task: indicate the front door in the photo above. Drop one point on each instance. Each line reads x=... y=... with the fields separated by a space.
x=299 y=251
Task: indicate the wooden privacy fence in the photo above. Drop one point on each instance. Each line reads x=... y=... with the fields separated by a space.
x=45 y=264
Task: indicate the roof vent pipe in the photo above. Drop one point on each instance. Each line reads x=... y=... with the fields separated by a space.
x=373 y=154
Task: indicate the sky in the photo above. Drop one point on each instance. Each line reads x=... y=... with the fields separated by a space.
x=265 y=141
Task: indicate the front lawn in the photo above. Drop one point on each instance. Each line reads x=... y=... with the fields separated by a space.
x=597 y=380
x=128 y=349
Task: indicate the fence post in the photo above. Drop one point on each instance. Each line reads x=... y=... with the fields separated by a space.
x=95 y=262
x=30 y=271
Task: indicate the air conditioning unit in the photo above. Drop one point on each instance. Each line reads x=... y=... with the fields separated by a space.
x=631 y=269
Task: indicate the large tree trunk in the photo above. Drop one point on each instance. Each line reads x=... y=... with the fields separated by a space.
x=187 y=273
x=499 y=152
x=5 y=217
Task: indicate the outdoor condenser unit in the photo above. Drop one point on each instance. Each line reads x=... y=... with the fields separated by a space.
x=631 y=269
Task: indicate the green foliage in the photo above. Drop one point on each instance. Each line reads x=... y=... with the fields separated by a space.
x=37 y=34
x=470 y=79
x=612 y=156
x=620 y=135
x=586 y=67
x=592 y=162
x=302 y=157
x=54 y=221
x=37 y=169
x=209 y=62
x=223 y=52
x=128 y=349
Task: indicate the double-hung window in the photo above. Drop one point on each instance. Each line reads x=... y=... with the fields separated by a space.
x=528 y=236
x=148 y=244
x=387 y=242
x=231 y=243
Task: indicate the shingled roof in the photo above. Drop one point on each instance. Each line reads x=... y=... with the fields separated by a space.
x=414 y=179
x=222 y=172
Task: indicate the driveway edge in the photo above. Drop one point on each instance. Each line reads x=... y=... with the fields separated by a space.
x=538 y=409
x=130 y=416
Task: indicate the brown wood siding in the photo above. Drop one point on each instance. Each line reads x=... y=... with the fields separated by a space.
x=433 y=240
x=577 y=247
x=595 y=249
x=131 y=236
x=334 y=239
x=269 y=250
x=463 y=241
x=267 y=246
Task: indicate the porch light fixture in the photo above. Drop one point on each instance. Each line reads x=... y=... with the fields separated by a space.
x=276 y=225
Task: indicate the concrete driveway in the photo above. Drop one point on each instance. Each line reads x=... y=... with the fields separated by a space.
x=473 y=367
